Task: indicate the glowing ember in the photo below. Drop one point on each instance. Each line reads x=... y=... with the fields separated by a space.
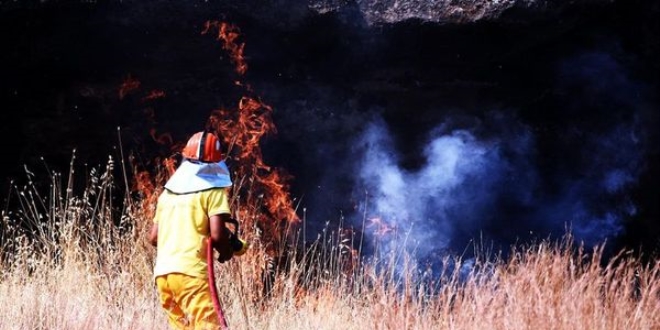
x=163 y=138
x=129 y=85
x=380 y=226
x=154 y=94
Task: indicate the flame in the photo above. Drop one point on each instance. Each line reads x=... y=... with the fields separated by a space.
x=228 y=33
x=242 y=130
x=163 y=138
x=260 y=194
x=279 y=203
x=129 y=85
x=267 y=196
x=154 y=94
x=144 y=183
x=380 y=226
x=262 y=191
x=149 y=186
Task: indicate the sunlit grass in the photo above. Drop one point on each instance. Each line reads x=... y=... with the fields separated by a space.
x=80 y=261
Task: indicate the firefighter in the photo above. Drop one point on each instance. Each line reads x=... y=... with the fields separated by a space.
x=191 y=210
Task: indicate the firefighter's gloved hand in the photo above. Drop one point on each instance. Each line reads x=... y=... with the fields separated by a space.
x=225 y=253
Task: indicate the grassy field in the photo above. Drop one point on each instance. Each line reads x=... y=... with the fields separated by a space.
x=80 y=261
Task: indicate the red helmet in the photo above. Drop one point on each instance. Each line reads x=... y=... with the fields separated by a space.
x=204 y=147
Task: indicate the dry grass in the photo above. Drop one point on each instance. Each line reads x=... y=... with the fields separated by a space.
x=80 y=262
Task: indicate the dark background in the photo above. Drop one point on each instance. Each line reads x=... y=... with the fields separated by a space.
x=568 y=74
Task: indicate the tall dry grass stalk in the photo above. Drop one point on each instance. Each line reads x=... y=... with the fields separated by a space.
x=79 y=261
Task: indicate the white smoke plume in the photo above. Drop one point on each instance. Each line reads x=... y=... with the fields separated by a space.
x=474 y=185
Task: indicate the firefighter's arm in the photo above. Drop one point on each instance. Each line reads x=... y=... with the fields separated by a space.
x=219 y=237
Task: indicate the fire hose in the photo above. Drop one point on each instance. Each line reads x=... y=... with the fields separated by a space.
x=238 y=247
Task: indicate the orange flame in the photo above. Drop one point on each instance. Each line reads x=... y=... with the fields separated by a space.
x=228 y=34
x=265 y=199
x=279 y=203
x=149 y=187
x=242 y=130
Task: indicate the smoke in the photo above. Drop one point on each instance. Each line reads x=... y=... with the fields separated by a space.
x=610 y=140
x=460 y=189
x=499 y=181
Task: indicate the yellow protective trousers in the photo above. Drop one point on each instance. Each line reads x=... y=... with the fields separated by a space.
x=187 y=302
